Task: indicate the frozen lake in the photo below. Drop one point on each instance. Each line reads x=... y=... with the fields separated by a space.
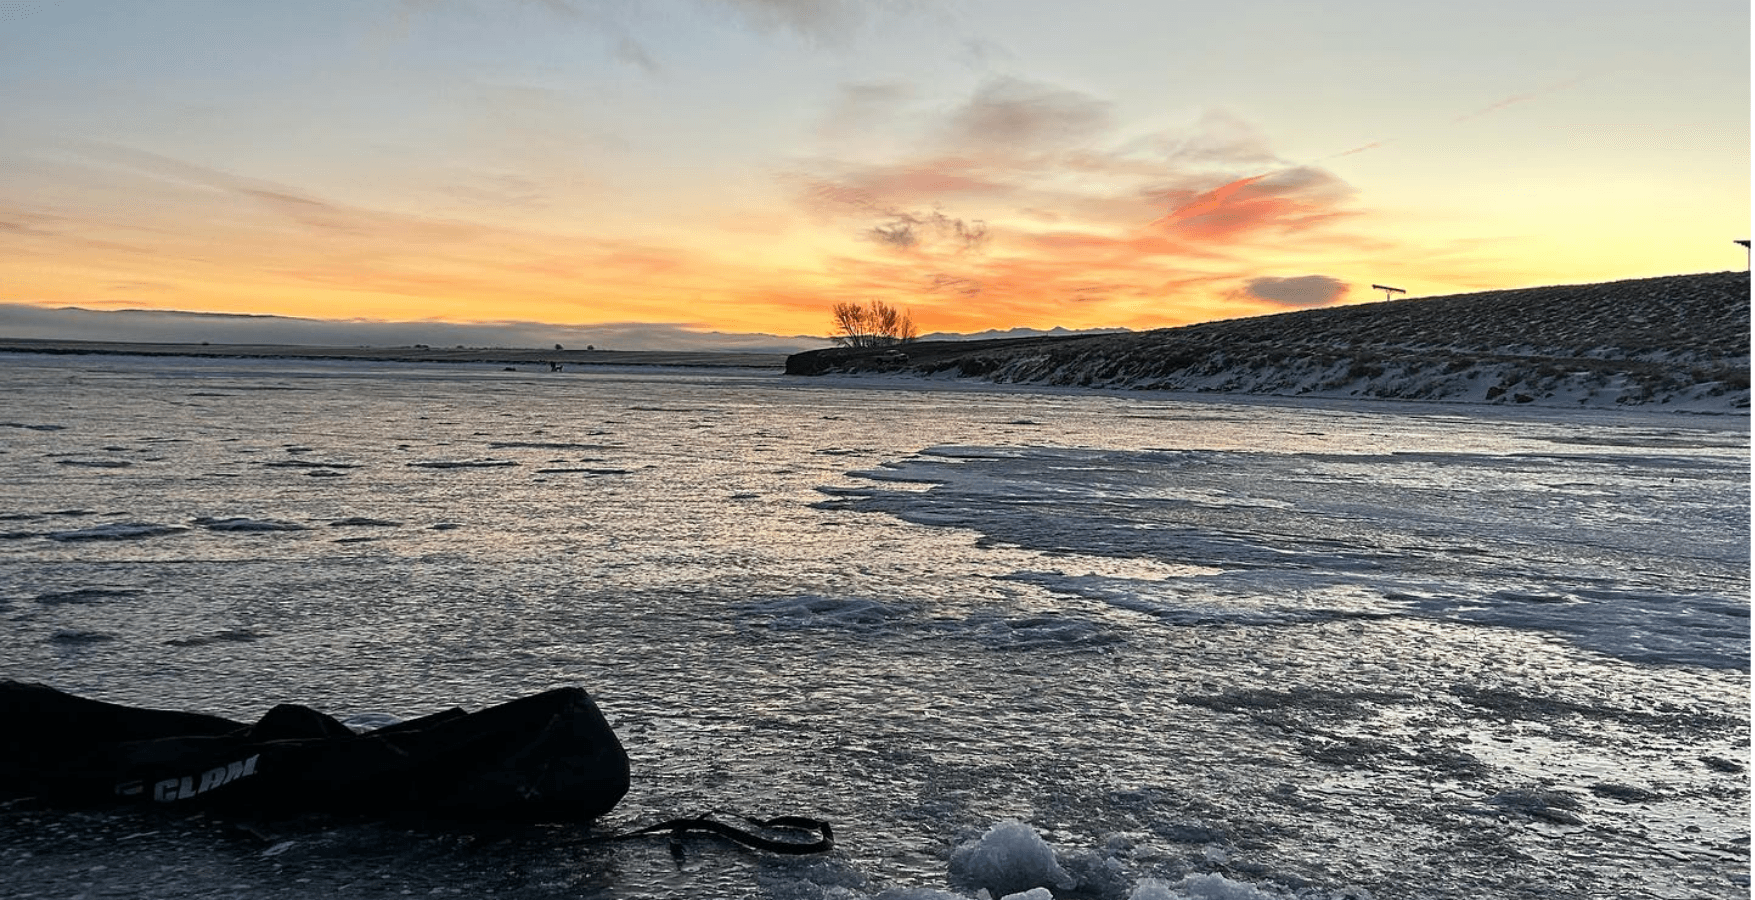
x=1319 y=650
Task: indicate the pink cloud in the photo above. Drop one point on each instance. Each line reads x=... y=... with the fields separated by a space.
x=1079 y=218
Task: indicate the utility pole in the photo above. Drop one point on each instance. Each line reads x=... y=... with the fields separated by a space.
x=1387 y=290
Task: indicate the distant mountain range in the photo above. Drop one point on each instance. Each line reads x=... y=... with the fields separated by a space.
x=163 y=327
x=1680 y=342
x=21 y=322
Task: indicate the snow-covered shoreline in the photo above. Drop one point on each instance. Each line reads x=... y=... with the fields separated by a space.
x=1679 y=343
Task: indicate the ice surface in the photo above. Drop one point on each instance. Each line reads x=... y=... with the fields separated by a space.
x=990 y=628
x=1624 y=551
x=1312 y=650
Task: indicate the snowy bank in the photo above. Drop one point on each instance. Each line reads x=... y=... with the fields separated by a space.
x=1680 y=342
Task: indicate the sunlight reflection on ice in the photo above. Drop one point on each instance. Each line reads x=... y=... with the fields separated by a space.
x=1300 y=647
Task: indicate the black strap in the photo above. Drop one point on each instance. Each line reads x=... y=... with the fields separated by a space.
x=679 y=827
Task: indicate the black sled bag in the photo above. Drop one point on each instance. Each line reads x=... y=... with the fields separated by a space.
x=548 y=757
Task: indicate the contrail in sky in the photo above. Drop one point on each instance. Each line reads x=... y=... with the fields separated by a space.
x=1485 y=110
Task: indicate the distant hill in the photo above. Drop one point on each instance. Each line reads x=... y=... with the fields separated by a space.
x=1681 y=341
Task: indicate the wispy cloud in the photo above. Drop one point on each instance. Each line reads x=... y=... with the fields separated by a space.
x=1010 y=116
x=820 y=21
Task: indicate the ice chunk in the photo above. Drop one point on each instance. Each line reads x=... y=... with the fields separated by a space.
x=1040 y=893
x=1199 y=887
x=1152 y=889
x=1010 y=858
x=1218 y=887
x=361 y=723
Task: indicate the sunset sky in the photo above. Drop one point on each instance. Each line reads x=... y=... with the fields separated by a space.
x=741 y=165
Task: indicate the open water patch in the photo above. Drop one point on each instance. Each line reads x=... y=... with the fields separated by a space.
x=463 y=463
x=546 y=445
x=229 y=636
x=836 y=613
x=79 y=637
x=95 y=463
x=117 y=531
x=1038 y=633
x=244 y=524
x=89 y=595
x=308 y=464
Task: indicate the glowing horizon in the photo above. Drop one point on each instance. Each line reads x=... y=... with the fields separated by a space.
x=741 y=165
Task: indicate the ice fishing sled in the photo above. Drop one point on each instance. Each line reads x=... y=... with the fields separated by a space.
x=547 y=757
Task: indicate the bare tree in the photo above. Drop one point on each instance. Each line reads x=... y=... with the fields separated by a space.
x=853 y=327
x=874 y=324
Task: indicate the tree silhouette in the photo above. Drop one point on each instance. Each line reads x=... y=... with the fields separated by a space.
x=874 y=324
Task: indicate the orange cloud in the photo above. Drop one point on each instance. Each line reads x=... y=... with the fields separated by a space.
x=1290 y=200
x=1080 y=229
